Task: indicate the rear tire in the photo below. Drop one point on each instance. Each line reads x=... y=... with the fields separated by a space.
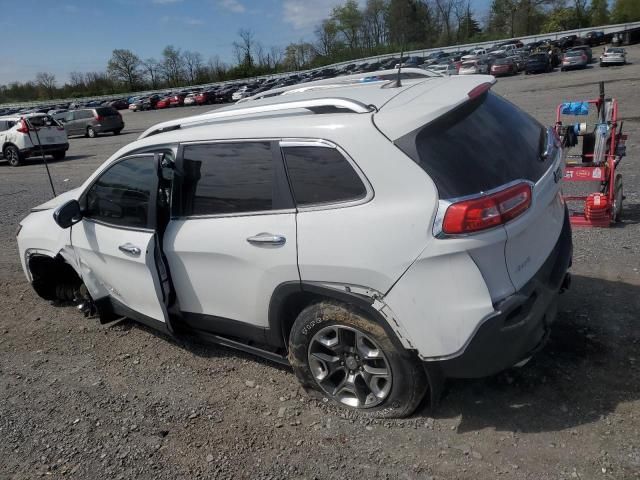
x=59 y=155
x=13 y=155
x=91 y=133
x=117 y=132
x=338 y=353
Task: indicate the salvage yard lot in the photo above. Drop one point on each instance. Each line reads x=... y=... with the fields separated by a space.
x=120 y=401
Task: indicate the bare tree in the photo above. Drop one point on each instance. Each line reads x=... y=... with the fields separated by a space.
x=193 y=65
x=327 y=34
x=244 y=48
x=152 y=68
x=172 y=65
x=76 y=80
x=47 y=82
x=217 y=69
x=445 y=9
x=276 y=55
x=124 y=66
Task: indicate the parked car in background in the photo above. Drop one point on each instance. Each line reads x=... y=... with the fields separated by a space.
x=538 y=63
x=29 y=135
x=92 y=121
x=163 y=103
x=118 y=104
x=205 y=97
x=613 y=56
x=471 y=67
x=596 y=38
x=583 y=48
x=503 y=66
x=567 y=41
x=190 y=99
x=444 y=68
x=177 y=100
x=573 y=59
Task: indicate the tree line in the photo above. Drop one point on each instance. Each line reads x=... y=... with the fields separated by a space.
x=349 y=32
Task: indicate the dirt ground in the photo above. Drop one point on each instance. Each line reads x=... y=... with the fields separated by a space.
x=82 y=400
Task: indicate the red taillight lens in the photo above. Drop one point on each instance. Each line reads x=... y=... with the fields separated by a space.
x=480 y=89
x=488 y=211
x=99 y=118
x=23 y=128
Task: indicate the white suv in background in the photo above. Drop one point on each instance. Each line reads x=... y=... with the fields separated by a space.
x=377 y=237
x=23 y=136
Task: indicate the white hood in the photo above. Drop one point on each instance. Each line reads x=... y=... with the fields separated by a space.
x=57 y=201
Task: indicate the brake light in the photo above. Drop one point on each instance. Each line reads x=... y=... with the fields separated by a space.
x=487 y=211
x=23 y=128
x=99 y=118
x=479 y=90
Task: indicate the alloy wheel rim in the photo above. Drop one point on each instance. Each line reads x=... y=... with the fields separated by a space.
x=13 y=155
x=349 y=366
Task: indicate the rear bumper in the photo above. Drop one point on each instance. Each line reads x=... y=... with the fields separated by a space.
x=48 y=149
x=520 y=325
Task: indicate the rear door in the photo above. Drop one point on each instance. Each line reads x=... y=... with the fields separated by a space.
x=46 y=130
x=117 y=244
x=109 y=118
x=232 y=237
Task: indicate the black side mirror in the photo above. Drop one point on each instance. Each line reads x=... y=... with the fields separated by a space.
x=68 y=214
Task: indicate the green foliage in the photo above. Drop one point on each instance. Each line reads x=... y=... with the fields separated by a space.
x=599 y=12
x=625 y=11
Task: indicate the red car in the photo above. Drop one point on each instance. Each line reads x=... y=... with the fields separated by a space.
x=163 y=102
x=503 y=66
x=204 y=97
x=177 y=100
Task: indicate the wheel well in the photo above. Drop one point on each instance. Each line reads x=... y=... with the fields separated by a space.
x=53 y=278
x=290 y=299
x=8 y=144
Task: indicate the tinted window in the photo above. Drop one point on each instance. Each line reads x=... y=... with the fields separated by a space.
x=106 y=111
x=41 y=121
x=3 y=125
x=226 y=178
x=122 y=194
x=484 y=144
x=82 y=114
x=321 y=175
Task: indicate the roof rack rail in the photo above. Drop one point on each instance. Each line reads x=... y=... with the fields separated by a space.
x=317 y=105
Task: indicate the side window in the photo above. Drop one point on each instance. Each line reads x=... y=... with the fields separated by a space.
x=123 y=194
x=3 y=125
x=69 y=116
x=229 y=178
x=321 y=175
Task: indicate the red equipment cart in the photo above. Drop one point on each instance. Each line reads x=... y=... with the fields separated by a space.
x=602 y=150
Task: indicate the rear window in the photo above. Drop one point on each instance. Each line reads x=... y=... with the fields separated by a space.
x=106 y=111
x=42 y=121
x=539 y=57
x=485 y=143
x=575 y=53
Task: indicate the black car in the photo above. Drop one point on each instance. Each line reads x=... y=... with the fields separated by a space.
x=596 y=38
x=538 y=63
x=567 y=41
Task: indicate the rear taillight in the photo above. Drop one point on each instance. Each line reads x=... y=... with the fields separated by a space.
x=99 y=118
x=23 y=128
x=487 y=211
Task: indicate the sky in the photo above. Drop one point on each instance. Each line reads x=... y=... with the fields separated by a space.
x=62 y=36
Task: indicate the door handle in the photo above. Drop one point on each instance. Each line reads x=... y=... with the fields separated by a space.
x=267 y=239
x=129 y=248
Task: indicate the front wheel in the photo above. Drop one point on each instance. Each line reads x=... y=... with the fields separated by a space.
x=338 y=353
x=13 y=155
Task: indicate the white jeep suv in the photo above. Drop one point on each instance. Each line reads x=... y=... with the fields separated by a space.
x=23 y=136
x=377 y=237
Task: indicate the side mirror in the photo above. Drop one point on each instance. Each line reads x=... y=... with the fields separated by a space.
x=68 y=214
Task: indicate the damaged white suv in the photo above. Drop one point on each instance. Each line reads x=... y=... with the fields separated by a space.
x=378 y=237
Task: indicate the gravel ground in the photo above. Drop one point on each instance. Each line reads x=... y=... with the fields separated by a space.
x=83 y=400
